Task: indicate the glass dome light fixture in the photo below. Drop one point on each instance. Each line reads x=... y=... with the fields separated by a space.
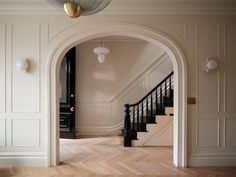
x=211 y=64
x=22 y=65
x=101 y=52
x=75 y=8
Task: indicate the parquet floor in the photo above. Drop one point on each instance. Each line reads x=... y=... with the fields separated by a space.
x=106 y=157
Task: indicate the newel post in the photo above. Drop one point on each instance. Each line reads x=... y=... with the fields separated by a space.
x=127 y=127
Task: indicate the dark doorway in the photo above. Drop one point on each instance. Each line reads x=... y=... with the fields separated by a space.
x=67 y=95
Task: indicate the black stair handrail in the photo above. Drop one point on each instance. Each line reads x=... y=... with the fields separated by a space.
x=137 y=115
x=154 y=89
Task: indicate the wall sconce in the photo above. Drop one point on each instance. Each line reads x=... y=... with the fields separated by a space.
x=211 y=64
x=101 y=52
x=22 y=64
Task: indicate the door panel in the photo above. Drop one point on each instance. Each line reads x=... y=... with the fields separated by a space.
x=67 y=95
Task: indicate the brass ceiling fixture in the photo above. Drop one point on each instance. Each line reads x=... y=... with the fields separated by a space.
x=76 y=8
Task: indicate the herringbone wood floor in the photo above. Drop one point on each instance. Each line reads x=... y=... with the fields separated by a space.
x=106 y=157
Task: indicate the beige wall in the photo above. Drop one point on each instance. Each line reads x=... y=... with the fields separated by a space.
x=24 y=96
x=131 y=65
x=126 y=60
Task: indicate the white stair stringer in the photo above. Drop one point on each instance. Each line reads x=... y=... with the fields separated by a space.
x=160 y=134
x=162 y=138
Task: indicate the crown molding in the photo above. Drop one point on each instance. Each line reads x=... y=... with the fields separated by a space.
x=129 y=7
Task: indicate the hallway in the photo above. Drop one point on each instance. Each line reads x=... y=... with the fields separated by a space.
x=106 y=156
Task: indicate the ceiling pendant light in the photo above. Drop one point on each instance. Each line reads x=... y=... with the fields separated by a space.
x=72 y=9
x=101 y=52
x=76 y=8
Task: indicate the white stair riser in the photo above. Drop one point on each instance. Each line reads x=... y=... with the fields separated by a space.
x=169 y=110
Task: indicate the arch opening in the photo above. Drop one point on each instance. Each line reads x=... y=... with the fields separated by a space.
x=75 y=37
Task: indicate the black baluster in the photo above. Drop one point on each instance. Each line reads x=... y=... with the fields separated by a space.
x=142 y=121
x=156 y=103
x=151 y=108
x=165 y=89
x=170 y=87
x=127 y=128
x=161 y=102
x=138 y=118
x=134 y=119
x=147 y=107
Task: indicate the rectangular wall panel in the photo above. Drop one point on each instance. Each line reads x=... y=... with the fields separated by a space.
x=207 y=83
x=2 y=67
x=230 y=71
x=207 y=132
x=230 y=132
x=94 y=114
x=2 y=132
x=25 y=85
x=25 y=132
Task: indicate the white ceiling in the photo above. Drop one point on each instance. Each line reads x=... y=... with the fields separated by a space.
x=129 y=7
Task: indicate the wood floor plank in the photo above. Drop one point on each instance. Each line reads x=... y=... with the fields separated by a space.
x=106 y=157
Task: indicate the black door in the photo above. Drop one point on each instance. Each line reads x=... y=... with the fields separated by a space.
x=67 y=95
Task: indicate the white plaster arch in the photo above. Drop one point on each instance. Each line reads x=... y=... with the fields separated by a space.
x=78 y=34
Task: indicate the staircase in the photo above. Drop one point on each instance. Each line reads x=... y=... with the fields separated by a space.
x=149 y=122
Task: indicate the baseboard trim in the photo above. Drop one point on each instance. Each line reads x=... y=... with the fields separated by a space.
x=33 y=161
x=96 y=131
x=212 y=161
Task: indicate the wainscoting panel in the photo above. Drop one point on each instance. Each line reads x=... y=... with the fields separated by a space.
x=2 y=132
x=230 y=132
x=230 y=72
x=208 y=132
x=2 y=67
x=25 y=85
x=207 y=83
x=93 y=113
x=25 y=132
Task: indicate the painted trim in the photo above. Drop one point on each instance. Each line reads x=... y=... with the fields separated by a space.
x=33 y=161
x=212 y=161
x=70 y=38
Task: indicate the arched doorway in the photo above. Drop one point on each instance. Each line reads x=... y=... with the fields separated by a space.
x=75 y=35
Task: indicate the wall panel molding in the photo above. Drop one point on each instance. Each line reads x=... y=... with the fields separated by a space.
x=31 y=51
x=3 y=33
x=39 y=67
x=25 y=132
x=3 y=133
x=207 y=132
x=208 y=84
x=230 y=72
x=94 y=113
x=229 y=132
x=196 y=66
x=224 y=67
